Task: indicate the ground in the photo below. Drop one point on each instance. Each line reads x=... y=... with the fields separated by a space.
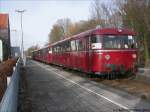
x=48 y=89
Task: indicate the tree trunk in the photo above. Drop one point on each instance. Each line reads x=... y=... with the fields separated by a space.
x=146 y=50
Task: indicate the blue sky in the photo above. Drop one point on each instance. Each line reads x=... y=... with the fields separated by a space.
x=40 y=16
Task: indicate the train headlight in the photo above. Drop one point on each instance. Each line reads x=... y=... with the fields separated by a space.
x=134 y=56
x=107 y=57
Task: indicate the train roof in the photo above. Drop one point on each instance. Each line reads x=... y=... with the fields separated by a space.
x=49 y=45
x=100 y=31
x=88 y=32
x=113 y=31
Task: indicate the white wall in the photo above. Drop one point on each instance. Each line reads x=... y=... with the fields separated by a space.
x=1 y=50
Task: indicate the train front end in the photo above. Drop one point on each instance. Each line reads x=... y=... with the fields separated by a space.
x=114 y=51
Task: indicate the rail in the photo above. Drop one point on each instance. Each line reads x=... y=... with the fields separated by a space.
x=9 y=101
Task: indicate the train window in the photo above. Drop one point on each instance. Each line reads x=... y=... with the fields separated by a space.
x=59 y=49
x=44 y=51
x=81 y=45
x=67 y=44
x=96 y=42
x=55 y=49
x=95 y=39
x=63 y=47
x=49 y=50
x=73 y=45
x=118 y=42
x=77 y=45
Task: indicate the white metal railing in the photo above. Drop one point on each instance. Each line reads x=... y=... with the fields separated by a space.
x=9 y=102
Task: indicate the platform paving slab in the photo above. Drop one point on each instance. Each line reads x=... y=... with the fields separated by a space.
x=53 y=90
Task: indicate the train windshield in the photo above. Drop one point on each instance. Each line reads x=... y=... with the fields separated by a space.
x=119 y=42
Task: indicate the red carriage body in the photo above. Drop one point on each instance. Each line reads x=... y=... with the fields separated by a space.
x=102 y=50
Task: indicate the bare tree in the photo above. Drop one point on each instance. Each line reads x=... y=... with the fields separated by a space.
x=64 y=24
x=136 y=15
x=97 y=12
x=55 y=34
x=107 y=15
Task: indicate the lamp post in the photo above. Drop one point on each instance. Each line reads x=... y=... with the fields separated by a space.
x=22 y=44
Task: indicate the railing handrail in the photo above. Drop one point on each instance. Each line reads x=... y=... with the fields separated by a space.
x=9 y=101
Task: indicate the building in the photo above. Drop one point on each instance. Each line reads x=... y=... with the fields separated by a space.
x=15 y=52
x=5 y=52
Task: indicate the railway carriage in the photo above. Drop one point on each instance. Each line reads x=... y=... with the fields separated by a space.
x=98 y=51
x=43 y=55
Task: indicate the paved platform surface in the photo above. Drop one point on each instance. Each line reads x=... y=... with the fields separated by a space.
x=53 y=90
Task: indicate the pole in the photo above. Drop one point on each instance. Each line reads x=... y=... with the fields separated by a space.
x=22 y=42
x=22 y=47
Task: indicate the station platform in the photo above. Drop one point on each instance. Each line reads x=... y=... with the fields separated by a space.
x=48 y=89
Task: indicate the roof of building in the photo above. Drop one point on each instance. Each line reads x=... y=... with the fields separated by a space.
x=4 y=20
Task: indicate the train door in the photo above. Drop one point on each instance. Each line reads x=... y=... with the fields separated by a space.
x=73 y=54
x=79 y=57
x=77 y=64
x=77 y=54
x=86 y=54
x=89 y=53
x=82 y=54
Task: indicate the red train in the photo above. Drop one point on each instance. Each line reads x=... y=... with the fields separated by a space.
x=97 y=51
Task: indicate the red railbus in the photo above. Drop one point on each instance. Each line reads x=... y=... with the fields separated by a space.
x=98 y=51
x=43 y=55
